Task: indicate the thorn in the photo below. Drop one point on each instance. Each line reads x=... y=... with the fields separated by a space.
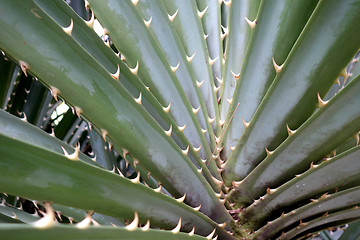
x=172 y=17
x=147 y=226
x=189 y=59
x=134 y=224
x=148 y=22
x=211 y=234
x=181 y=199
x=197 y=149
x=52 y=132
x=357 y=138
x=217 y=181
x=24 y=67
x=236 y=76
x=90 y=23
x=222 y=225
x=206 y=36
x=177 y=228
x=137 y=178
x=54 y=92
x=222 y=122
x=169 y=131
x=185 y=152
x=203 y=130
x=320 y=101
x=215 y=238
x=104 y=133
x=211 y=120
x=312 y=165
x=199 y=170
x=87 y=5
x=270 y=191
x=75 y=155
x=277 y=67
x=204 y=160
x=212 y=61
x=227 y=3
x=246 y=124
x=252 y=24
x=232 y=148
x=24 y=118
x=138 y=100
x=135 y=69
x=191 y=233
x=122 y=57
x=85 y=223
x=222 y=200
x=117 y=73
x=199 y=83
x=290 y=132
x=181 y=129
x=219 y=80
x=216 y=89
x=78 y=111
x=195 y=111
x=226 y=30
x=135 y=2
x=175 y=68
x=49 y=217
x=201 y=14
x=69 y=29
x=158 y=189
x=229 y=100
x=167 y=109
x=268 y=153
x=196 y=209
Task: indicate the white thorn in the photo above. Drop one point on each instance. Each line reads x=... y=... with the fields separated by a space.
x=268 y=153
x=24 y=67
x=69 y=29
x=206 y=36
x=78 y=111
x=197 y=208
x=172 y=17
x=227 y=3
x=277 y=67
x=134 y=224
x=24 y=118
x=212 y=61
x=189 y=59
x=135 y=69
x=211 y=120
x=90 y=23
x=167 y=109
x=221 y=122
x=232 y=148
x=199 y=84
x=182 y=128
x=181 y=199
x=226 y=30
x=290 y=132
x=246 y=124
x=177 y=228
x=175 y=68
x=219 y=80
x=138 y=100
x=229 y=100
x=203 y=130
x=54 y=92
x=85 y=223
x=168 y=132
x=321 y=102
x=49 y=217
x=148 y=22
x=137 y=179
x=197 y=149
x=135 y=2
x=201 y=14
x=236 y=76
x=186 y=151
x=195 y=111
x=216 y=89
x=104 y=133
x=146 y=227
x=211 y=234
x=252 y=24
x=75 y=155
x=191 y=233
x=199 y=170
x=117 y=73
x=158 y=189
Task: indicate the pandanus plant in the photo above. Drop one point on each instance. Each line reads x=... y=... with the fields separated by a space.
x=238 y=119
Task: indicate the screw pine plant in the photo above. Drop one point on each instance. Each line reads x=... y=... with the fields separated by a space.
x=239 y=119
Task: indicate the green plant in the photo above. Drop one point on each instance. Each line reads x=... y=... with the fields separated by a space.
x=210 y=131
